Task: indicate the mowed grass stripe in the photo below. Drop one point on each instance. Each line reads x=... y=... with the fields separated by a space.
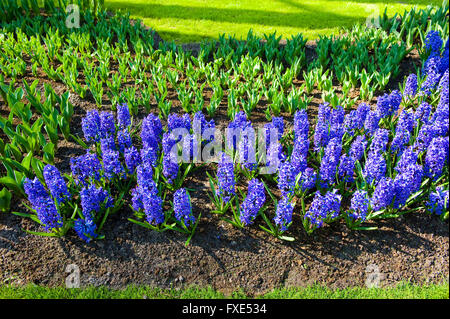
x=402 y=291
x=187 y=21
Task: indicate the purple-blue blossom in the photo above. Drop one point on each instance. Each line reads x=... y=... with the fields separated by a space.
x=438 y=201
x=408 y=157
x=225 y=177
x=283 y=214
x=375 y=167
x=301 y=124
x=433 y=42
x=112 y=165
x=410 y=86
x=379 y=141
x=383 y=195
x=56 y=184
x=371 y=123
x=170 y=166
x=286 y=178
x=108 y=144
x=308 y=179
x=405 y=121
x=152 y=205
x=299 y=154
x=247 y=151
x=359 y=205
x=323 y=208
x=358 y=147
x=176 y=121
x=346 y=168
x=90 y=125
x=43 y=204
x=436 y=157
x=124 y=140
x=253 y=202
x=152 y=131
x=422 y=113
x=132 y=159
x=86 y=167
x=406 y=184
x=400 y=141
x=330 y=161
x=426 y=134
x=85 y=228
x=182 y=207
x=93 y=199
x=107 y=125
x=123 y=115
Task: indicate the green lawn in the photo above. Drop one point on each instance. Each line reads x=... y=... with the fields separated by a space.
x=187 y=21
x=405 y=291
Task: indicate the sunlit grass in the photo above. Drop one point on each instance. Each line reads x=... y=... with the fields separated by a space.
x=403 y=291
x=187 y=21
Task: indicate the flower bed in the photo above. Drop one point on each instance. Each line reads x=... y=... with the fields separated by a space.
x=351 y=162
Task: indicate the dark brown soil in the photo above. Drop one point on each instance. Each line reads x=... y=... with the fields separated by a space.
x=412 y=248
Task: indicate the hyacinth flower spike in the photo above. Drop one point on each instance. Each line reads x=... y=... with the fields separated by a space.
x=184 y=217
x=358 y=211
x=438 y=202
x=252 y=204
x=147 y=203
x=52 y=209
x=283 y=217
x=223 y=185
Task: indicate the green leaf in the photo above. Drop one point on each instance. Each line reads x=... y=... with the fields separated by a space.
x=364 y=228
x=79 y=141
x=38 y=167
x=5 y=200
x=266 y=230
x=22 y=214
x=40 y=233
x=12 y=184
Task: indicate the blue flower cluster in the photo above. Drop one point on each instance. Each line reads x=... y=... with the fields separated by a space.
x=202 y=127
x=86 y=168
x=151 y=135
x=43 y=204
x=56 y=184
x=182 y=207
x=93 y=199
x=354 y=120
x=359 y=206
x=85 y=228
x=225 y=177
x=438 y=201
x=286 y=178
x=145 y=195
x=254 y=201
x=330 y=125
x=324 y=207
x=437 y=62
x=123 y=116
x=283 y=214
x=330 y=161
x=236 y=127
x=387 y=105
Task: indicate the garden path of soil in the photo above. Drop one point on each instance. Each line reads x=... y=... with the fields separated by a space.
x=411 y=248
x=414 y=248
